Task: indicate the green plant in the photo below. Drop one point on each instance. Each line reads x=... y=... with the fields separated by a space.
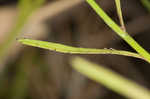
x=107 y=80
x=123 y=34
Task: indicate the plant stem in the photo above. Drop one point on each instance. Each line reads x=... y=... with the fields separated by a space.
x=119 y=12
x=123 y=34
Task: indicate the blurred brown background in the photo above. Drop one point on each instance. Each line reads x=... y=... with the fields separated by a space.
x=33 y=73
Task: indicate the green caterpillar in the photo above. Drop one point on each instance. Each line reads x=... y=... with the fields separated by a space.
x=75 y=50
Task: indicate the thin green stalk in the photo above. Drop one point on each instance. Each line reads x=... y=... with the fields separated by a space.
x=123 y=34
x=110 y=79
x=75 y=50
x=119 y=12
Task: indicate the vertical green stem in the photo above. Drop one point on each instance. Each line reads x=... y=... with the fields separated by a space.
x=123 y=34
x=118 y=6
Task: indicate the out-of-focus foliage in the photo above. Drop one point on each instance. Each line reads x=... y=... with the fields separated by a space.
x=26 y=7
x=146 y=4
x=110 y=79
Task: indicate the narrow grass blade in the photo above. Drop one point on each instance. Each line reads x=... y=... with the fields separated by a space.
x=74 y=50
x=110 y=79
